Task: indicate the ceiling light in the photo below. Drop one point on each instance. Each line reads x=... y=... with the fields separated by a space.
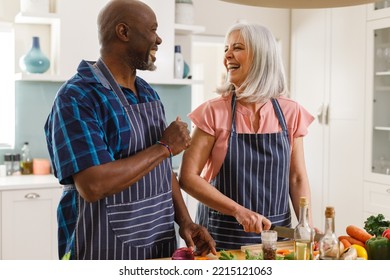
x=300 y=4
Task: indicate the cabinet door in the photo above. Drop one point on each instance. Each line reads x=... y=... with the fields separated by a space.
x=309 y=87
x=378 y=101
x=328 y=72
x=29 y=224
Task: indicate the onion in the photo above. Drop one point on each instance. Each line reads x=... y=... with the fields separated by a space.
x=183 y=253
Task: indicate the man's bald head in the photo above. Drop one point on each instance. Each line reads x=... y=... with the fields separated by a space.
x=119 y=11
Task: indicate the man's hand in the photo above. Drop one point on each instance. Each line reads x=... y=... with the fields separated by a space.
x=197 y=237
x=177 y=136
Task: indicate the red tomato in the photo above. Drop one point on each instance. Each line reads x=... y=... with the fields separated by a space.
x=386 y=233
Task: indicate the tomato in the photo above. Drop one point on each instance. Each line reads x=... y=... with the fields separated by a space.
x=386 y=233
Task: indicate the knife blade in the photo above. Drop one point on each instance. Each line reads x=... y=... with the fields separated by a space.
x=286 y=232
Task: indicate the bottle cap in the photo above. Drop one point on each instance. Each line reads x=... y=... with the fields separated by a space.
x=329 y=212
x=177 y=49
x=269 y=235
x=8 y=157
x=303 y=201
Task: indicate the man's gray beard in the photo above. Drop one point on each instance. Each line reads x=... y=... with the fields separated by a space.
x=149 y=66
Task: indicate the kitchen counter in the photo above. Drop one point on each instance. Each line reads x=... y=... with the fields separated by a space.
x=28 y=182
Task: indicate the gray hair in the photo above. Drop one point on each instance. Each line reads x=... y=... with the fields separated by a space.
x=266 y=78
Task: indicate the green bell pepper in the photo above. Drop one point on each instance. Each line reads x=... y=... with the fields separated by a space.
x=378 y=248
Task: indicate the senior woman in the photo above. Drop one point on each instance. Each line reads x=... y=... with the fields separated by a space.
x=246 y=158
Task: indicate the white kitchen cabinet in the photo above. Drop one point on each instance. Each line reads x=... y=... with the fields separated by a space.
x=328 y=79
x=377 y=126
x=377 y=198
x=29 y=223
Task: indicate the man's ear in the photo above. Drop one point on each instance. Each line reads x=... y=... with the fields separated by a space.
x=122 y=31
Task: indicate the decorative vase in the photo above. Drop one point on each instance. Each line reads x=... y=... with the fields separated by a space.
x=186 y=71
x=35 y=61
x=34 y=6
x=184 y=12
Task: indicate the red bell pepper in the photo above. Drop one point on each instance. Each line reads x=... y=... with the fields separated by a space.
x=386 y=233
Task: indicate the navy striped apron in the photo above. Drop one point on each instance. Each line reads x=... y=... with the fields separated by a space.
x=255 y=174
x=137 y=223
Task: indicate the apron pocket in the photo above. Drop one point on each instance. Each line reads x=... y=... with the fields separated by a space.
x=144 y=222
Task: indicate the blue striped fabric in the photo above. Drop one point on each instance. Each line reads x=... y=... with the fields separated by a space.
x=255 y=175
x=88 y=125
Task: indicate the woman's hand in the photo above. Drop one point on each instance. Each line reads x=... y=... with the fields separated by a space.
x=252 y=221
x=198 y=238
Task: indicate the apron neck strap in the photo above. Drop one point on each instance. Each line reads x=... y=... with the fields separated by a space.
x=276 y=106
x=111 y=80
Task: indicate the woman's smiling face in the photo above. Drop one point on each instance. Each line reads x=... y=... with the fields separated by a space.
x=237 y=59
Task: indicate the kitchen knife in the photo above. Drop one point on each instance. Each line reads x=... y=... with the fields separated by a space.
x=286 y=232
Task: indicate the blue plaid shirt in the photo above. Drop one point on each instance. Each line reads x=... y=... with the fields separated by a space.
x=87 y=126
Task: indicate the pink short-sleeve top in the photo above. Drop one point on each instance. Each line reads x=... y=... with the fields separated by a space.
x=215 y=118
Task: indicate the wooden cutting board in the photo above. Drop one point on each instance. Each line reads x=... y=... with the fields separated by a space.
x=256 y=248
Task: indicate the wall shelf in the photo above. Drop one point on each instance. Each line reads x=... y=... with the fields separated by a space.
x=46 y=18
x=186 y=29
x=45 y=77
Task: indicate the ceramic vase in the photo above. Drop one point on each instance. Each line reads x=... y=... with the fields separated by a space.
x=34 y=61
x=184 y=12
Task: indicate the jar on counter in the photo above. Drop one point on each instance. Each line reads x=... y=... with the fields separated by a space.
x=16 y=165
x=8 y=162
x=269 y=239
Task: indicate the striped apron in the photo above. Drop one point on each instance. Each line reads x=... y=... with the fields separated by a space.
x=255 y=174
x=137 y=223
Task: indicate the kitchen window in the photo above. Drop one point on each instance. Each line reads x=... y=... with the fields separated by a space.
x=7 y=86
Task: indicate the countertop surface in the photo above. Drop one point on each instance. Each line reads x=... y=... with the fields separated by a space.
x=21 y=182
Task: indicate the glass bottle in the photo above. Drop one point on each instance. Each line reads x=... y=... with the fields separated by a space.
x=329 y=244
x=269 y=239
x=179 y=63
x=26 y=163
x=303 y=233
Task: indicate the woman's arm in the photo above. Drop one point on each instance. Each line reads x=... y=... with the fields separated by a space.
x=194 y=159
x=299 y=182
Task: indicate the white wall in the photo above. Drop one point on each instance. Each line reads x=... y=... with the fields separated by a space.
x=217 y=16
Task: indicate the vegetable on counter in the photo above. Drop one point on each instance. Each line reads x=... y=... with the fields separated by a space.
x=358 y=233
x=361 y=251
x=223 y=255
x=376 y=225
x=345 y=242
x=351 y=240
x=183 y=253
x=252 y=256
x=349 y=254
x=386 y=233
x=378 y=248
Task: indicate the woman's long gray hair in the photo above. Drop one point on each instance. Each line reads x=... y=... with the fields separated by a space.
x=266 y=78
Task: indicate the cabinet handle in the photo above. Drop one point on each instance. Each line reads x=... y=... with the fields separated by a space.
x=323 y=114
x=320 y=114
x=32 y=196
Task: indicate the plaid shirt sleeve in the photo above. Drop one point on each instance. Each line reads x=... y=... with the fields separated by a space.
x=75 y=137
